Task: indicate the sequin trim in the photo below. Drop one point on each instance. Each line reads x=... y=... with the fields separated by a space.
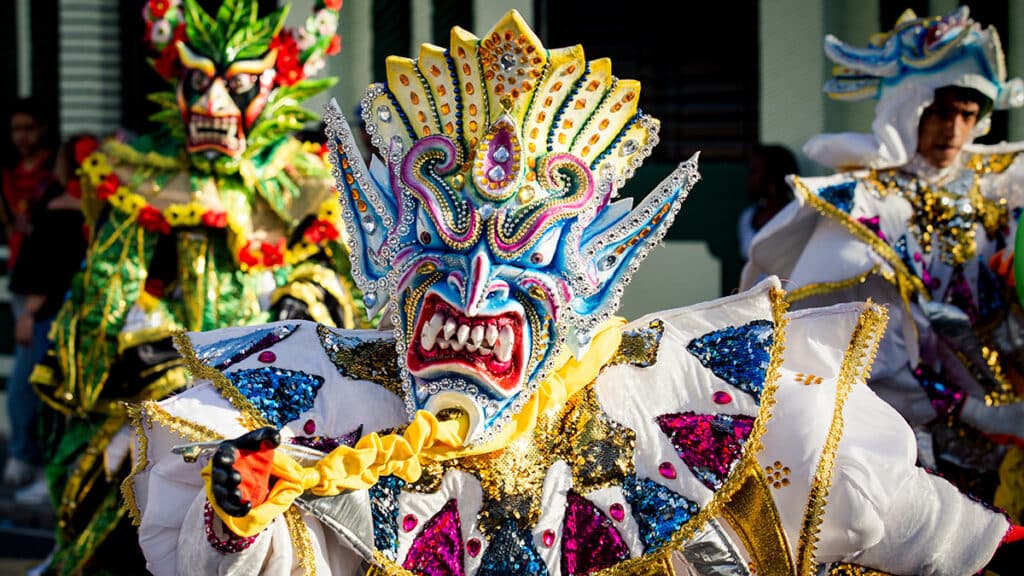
x=819 y=288
x=301 y=542
x=371 y=360
x=857 y=360
x=142 y=418
x=230 y=544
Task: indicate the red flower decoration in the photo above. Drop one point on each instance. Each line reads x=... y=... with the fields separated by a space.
x=273 y=254
x=108 y=187
x=319 y=231
x=159 y=8
x=289 y=68
x=335 y=46
x=153 y=220
x=215 y=219
x=333 y=4
x=167 y=64
x=290 y=76
x=249 y=255
x=85 y=146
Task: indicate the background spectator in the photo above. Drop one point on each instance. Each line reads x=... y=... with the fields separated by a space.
x=25 y=179
x=49 y=258
x=769 y=192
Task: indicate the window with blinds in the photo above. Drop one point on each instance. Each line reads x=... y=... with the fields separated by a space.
x=89 y=66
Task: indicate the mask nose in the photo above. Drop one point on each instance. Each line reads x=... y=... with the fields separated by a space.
x=216 y=100
x=477 y=282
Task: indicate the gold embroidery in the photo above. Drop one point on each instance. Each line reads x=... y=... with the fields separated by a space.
x=857 y=360
x=599 y=451
x=752 y=514
x=819 y=288
x=141 y=463
x=754 y=446
x=853 y=570
x=776 y=475
x=301 y=542
x=941 y=214
x=808 y=379
x=991 y=163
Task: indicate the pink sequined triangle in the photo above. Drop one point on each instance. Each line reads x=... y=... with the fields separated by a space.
x=437 y=550
x=709 y=444
x=589 y=541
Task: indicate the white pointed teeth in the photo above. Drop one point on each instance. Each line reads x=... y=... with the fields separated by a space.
x=503 y=349
x=481 y=338
x=475 y=337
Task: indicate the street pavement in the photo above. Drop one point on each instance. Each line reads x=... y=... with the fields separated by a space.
x=26 y=531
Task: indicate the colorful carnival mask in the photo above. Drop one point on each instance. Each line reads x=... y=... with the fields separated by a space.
x=238 y=78
x=492 y=226
x=902 y=68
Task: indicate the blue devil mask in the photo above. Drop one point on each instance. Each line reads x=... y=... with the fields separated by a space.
x=490 y=233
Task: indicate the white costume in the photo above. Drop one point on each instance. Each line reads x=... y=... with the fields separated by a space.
x=509 y=423
x=921 y=240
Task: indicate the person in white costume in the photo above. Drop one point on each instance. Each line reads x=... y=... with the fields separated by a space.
x=921 y=219
x=508 y=422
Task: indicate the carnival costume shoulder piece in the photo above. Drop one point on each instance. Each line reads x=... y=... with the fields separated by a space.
x=510 y=423
x=930 y=242
x=220 y=217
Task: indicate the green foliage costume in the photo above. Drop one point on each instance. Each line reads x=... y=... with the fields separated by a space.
x=221 y=218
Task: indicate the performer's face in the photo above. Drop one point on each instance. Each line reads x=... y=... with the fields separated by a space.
x=26 y=133
x=945 y=128
x=219 y=106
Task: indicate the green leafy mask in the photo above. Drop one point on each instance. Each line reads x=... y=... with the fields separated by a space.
x=238 y=79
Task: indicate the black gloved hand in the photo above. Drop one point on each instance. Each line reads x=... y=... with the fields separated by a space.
x=240 y=470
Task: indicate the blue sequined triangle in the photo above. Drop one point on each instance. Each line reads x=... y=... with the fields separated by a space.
x=659 y=512
x=839 y=195
x=738 y=354
x=223 y=353
x=279 y=395
x=511 y=552
x=384 y=508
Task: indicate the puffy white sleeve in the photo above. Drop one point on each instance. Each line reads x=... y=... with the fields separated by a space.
x=859 y=482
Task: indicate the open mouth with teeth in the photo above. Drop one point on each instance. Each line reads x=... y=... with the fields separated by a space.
x=220 y=133
x=447 y=340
